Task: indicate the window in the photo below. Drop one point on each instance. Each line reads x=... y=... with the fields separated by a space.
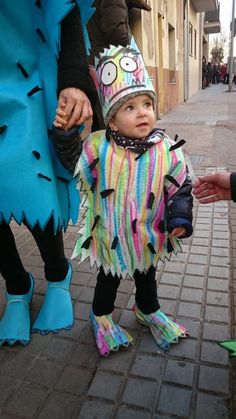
x=190 y=38
x=172 y=64
x=195 y=43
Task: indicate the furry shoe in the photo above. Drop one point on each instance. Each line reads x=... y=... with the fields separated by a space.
x=15 y=323
x=56 y=312
x=163 y=329
x=109 y=335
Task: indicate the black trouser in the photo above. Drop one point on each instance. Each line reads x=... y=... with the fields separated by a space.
x=51 y=249
x=107 y=285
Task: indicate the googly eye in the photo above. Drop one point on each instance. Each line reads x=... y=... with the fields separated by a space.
x=109 y=73
x=128 y=64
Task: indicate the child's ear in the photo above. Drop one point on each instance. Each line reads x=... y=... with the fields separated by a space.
x=113 y=125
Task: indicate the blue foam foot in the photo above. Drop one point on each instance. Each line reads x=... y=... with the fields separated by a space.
x=15 y=323
x=56 y=312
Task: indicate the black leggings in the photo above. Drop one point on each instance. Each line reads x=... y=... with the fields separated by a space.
x=51 y=249
x=107 y=285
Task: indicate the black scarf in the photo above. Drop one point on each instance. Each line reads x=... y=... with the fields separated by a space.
x=137 y=146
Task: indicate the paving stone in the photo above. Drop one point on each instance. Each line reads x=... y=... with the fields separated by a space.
x=191 y=294
x=201 y=233
x=220 y=234
x=219 y=314
x=82 y=310
x=75 y=380
x=147 y=344
x=213 y=353
x=219 y=272
x=219 y=261
x=128 y=320
x=214 y=379
x=60 y=406
x=192 y=326
x=185 y=349
x=84 y=354
x=44 y=372
x=125 y=413
x=15 y=364
x=59 y=349
x=211 y=406
x=168 y=306
x=147 y=366
x=106 y=385
x=218 y=284
x=199 y=250
x=179 y=372
x=192 y=310
x=26 y=401
x=135 y=388
x=175 y=400
x=193 y=281
x=201 y=259
x=200 y=241
x=95 y=409
x=171 y=278
x=8 y=386
x=220 y=243
x=216 y=332
x=87 y=295
x=120 y=362
x=218 y=298
x=195 y=269
x=174 y=267
x=168 y=291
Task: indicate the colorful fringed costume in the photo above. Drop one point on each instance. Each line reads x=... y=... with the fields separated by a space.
x=135 y=191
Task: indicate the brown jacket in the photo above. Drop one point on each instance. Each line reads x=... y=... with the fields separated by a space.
x=108 y=25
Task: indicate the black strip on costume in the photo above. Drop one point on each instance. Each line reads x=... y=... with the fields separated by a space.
x=23 y=70
x=36 y=154
x=93 y=164
x=44 y=177
x=106 y=193
x=38 y=3
x=161 y=226
x=169 y=246
x=40 y=33
x=172 y=180
x=34 y=90
x=3 y=129
x=63 y=179
x=176 y=137
x=114 y=243
x=95 y=221
x=87 y=242
x=134 y=225
x=233 y=185
x=151 y=200
x=140 y=155
x=93 y=184
x=177 y=145
x=151 y=248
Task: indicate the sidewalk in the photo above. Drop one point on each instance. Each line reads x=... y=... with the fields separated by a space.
x=62 y=376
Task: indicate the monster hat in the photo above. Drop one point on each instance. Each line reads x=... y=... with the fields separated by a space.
x=121 y=74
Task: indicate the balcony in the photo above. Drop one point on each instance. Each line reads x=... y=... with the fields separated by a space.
x=204 y=5
x=212 y=21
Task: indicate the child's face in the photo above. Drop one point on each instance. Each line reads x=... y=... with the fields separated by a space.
x=135 y=118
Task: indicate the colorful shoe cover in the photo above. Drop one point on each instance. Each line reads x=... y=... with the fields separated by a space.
x=109 y=336
x=15 y=323
x=230 y=345
x=163 y=329
x=56 y=312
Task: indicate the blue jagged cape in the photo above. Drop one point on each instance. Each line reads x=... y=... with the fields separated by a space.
x=33 y=184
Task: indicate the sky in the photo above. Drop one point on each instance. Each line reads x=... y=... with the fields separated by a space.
x=225 y=19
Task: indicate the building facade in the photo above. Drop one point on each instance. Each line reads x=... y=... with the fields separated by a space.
x=173 y=36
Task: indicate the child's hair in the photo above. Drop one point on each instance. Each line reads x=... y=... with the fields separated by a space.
x=121 y=75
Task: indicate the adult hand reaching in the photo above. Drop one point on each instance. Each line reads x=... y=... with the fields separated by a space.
x=213 y=188
x=76 y=108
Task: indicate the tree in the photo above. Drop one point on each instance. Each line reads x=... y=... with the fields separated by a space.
x=217 y=51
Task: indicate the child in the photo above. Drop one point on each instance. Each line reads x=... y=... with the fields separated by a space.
x=138 y=197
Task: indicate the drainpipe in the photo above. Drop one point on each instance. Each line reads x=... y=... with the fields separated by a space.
x=231 y=50
x=186 y=51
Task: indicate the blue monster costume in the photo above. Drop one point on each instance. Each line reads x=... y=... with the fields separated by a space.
x=34 y=186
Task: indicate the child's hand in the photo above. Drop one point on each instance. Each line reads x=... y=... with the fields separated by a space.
x=178 y=232
x=60 y=120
